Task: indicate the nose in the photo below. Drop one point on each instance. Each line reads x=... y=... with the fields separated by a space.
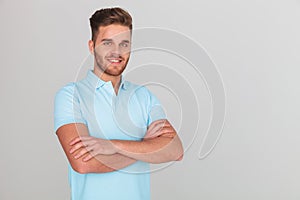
x=115 y=50
x=114 y=55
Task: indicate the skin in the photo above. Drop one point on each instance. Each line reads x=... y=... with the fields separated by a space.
x=88 y=154
x=112 y=42
x=160 y=145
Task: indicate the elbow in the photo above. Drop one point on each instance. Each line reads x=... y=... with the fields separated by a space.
x=87 y=167
x=175 y=155
x=179 y=158
x=81 y=169
x=176 y=152
x=179 y=155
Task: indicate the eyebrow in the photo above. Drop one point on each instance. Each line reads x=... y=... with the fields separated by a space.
x=110 y=40
x=106 y=40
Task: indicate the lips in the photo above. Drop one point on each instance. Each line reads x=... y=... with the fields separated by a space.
x=115 y=60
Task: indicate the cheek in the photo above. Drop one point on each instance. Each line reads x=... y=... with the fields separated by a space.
x=126 y=55
x=100 y=54
x=102 y=51
x=99 y=58
x=125 y=52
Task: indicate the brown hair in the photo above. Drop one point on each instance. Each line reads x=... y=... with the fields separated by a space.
x=108 y=16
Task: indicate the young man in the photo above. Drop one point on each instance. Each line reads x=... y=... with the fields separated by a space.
x=109 y=128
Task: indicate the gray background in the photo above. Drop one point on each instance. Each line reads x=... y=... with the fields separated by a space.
x=255 y=45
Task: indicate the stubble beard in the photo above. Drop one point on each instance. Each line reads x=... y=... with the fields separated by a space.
x=107 y=70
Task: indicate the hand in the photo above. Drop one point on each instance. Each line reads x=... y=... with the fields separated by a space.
x=158 y=128
x=91 y=146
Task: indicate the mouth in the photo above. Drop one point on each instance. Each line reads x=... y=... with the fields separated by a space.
x=115 y=60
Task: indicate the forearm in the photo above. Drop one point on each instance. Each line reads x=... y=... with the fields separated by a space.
x=116 y=161
x=160 y=144
x=98 y=164
x=101 y=163
x=155 y=150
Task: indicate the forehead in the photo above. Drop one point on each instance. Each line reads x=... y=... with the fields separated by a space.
x=114 y=31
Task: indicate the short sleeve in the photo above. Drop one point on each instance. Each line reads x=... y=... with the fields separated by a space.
x=155 y=109
x=67 y=107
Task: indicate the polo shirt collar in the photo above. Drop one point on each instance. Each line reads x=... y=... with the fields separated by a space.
x=98 y=83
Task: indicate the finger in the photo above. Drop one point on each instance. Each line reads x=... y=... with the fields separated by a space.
x=155 y=130
x=156 y=127
x=89 y=142
x=167 y=124
x=85 y=138
x=90 y=148
x=75 y=140
x=81 y=153
x=154 y=124
x=163 y=124
x=167 y=131
x=87 y=158
x=92 y=153
x=77 y=146
x=80 y=138
x=164 y=132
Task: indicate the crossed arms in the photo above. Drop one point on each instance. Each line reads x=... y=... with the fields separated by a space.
x=88 y=154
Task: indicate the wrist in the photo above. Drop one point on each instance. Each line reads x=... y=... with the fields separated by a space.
x=117 y=145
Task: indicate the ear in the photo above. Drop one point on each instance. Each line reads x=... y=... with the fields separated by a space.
x=91 y=46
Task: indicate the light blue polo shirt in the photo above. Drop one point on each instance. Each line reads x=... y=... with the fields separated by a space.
x=125 y=116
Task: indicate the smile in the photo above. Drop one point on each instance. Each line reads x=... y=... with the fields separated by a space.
x=114 y=60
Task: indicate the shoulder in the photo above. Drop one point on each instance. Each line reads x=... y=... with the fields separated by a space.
x=66 y=88
x=66 y=91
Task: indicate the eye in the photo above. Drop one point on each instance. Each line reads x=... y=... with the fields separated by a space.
x=124 y=44
x=107 y=43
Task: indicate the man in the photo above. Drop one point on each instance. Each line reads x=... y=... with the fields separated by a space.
x=109 y=128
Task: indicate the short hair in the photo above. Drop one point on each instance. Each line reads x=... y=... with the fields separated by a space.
x=108 y=16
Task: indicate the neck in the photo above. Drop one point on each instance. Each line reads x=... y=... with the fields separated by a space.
x=115 y=80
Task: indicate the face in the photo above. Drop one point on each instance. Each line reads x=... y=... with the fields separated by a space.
x=111 y=49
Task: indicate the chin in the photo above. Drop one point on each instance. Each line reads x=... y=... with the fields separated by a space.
x=114 y=72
